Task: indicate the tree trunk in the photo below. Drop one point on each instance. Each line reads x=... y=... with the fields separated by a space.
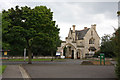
x=29 y=56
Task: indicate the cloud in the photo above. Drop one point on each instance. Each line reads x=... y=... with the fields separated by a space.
x=5 y=5
x=85 y=14
x=82 y=14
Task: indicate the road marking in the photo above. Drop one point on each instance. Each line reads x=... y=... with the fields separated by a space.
x=24 y=73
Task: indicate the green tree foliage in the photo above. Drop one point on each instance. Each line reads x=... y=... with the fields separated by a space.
x=0 y=30
x=33 y=29
x=107 y=46
x=117 y=50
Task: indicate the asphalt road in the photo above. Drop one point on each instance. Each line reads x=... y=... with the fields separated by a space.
x=69 y=71
x=53 y=69
x=68 y=61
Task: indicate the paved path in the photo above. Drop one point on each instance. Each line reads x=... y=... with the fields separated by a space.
x=12 y=71
x=69 y=71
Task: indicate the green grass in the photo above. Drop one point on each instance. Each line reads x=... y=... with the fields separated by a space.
x=2 y=68
x=34 y=60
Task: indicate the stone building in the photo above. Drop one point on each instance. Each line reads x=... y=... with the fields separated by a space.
x=80 y=43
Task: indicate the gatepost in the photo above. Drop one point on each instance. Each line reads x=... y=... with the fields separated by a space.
x=102 y=56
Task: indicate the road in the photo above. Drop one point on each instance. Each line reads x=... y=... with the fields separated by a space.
x=69 y=71
x=60 y=69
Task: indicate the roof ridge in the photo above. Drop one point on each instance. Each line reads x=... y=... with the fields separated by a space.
x=82 y=29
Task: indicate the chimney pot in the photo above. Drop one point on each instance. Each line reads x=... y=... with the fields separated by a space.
x=94 y=26
x=73 y=28
x=85 y=27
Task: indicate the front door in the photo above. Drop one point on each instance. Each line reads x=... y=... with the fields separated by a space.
x=78 y=56
x=72 y=54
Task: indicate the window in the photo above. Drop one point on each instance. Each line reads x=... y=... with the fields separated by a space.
x=91 y=33
x=81 y=43
x=70 y=38
x=91 y=41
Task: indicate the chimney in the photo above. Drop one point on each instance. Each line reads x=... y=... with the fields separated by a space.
x=73 y=34
x=85 y=27
x=73 y=28
x=93 y=26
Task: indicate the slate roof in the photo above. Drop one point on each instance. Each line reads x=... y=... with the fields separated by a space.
x=80 y=33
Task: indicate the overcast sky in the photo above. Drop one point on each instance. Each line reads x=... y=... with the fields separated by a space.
x=81 y=14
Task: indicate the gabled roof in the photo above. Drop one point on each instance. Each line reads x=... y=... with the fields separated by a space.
x=80 y=33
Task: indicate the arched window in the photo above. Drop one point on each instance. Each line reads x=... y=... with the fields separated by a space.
x=91 y=41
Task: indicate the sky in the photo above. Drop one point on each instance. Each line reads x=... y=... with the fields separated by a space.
x=73 y=12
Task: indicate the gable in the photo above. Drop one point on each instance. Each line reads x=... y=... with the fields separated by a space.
x=94 y=32
x=95 y=36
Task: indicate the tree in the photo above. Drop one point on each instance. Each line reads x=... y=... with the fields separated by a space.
x=0 y=30
x=107 y=46
x=31 y=28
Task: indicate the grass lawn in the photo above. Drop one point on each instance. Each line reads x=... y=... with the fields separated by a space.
x=34 y=60
x=2 y=68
